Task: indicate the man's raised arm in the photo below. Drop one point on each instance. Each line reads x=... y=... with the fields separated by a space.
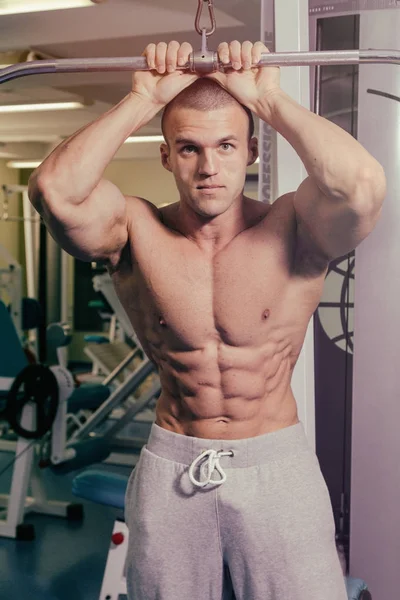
x=340 y=201
x=85 y=213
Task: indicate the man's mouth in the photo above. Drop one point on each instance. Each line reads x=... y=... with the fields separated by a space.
x=209 y=187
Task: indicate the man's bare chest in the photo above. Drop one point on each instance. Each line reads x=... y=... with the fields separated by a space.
x=236 y=296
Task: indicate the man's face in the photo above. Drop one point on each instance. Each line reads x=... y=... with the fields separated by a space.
x=208 y=154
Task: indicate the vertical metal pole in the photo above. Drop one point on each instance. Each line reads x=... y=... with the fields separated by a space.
x=29 y=246
x=292 y=35
x=267 y=135
x=42 y=292
x=30 y=256
x=64 y=313
x=317 y=74
x=64 y=286
x=21 y=473
x=16 y=302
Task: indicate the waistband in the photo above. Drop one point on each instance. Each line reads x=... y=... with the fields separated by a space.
x=248 y=452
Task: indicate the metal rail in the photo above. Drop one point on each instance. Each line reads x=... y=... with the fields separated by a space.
x=199 y=62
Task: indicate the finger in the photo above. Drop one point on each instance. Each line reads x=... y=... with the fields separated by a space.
x=247 y=58
x=172 y=56
x=183 y=53
x=235 y=51
x=223 y=53
x=150 y=54
x=161 y=52
x=258 y=49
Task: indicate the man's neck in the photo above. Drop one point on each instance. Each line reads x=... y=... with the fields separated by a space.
x=213 y=234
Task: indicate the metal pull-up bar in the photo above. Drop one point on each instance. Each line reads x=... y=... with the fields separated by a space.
x=199 y=62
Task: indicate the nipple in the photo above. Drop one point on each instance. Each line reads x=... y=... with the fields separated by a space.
x=162 y=322
x=265 y=314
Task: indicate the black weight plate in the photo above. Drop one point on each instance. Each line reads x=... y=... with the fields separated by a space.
x=36 y=384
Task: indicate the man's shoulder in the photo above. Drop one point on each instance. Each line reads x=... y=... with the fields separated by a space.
x=137 y=204
x=285 y=203
x=142 y=213
x=279 y=213
x=152 y=221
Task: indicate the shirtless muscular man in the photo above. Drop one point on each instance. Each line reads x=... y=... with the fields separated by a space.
x=227 y=500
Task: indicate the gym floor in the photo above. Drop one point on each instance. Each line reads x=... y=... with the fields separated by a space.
x=66 y=560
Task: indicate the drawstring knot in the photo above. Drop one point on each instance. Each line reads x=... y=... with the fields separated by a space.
x=207 y=468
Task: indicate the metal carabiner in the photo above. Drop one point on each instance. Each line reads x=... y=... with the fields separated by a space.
x=212 y=17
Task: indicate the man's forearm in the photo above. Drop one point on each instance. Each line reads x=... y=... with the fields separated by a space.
x=76 y=166
x=333 y=159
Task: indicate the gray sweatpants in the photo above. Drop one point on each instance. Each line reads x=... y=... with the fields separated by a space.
x=215 y=520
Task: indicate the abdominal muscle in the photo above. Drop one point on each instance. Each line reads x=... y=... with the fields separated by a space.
x=219 y=379
x=224 y=392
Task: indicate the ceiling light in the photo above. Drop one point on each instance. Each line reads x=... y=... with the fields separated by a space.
x=23 y=164
x=15 y=7
x=143 y=139
x=14 y=108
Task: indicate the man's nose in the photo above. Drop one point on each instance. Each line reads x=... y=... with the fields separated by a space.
x=208 y=163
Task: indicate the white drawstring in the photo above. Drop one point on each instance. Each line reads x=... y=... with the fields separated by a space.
x=207 y=468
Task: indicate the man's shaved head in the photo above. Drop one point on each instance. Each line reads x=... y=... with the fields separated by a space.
x=204 y=95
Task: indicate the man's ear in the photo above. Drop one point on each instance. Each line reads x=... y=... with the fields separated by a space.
x=164 y=151
x=253 y=151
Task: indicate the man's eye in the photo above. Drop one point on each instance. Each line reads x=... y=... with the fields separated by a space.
x=226 y=146
x=189 y=149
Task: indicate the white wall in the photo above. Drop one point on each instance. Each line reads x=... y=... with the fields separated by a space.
x=375 y=486
x=144 y=178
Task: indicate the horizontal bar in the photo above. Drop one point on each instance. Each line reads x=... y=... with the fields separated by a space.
x=329 y=57
x=281 y=59
x=122 y=365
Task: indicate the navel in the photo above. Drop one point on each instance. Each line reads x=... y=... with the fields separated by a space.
x=265 y=314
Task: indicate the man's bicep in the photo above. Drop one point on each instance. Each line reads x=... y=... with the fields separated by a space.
x=95 y=229
x=334 y=226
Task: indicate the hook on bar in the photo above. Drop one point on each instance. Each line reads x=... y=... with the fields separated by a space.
x=212 y=18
